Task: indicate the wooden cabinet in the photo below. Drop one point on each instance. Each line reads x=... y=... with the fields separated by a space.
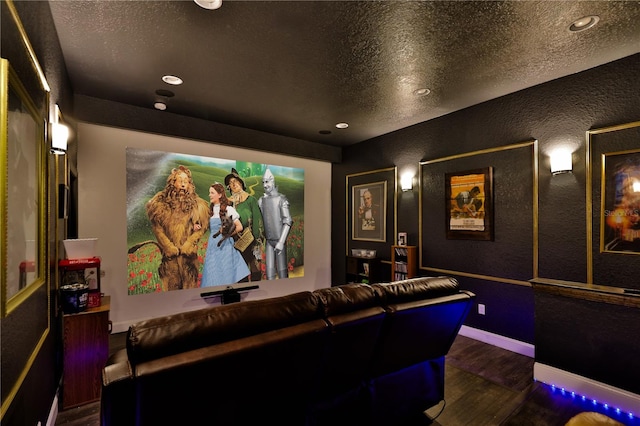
x=86 y=349
x=363 y=270
x=403 y=262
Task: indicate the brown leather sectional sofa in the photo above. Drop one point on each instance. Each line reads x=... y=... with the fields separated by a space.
x=355 y=354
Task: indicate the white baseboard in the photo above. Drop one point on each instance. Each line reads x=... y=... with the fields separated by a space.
x=119 y=327
x=53 y=413
x=503 y=342
x=583 y=386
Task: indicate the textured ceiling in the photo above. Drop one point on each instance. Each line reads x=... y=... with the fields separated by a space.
x=296 y=68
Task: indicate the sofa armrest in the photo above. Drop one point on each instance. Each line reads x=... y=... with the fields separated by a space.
x=416 y=289
x=117 y=368
x=117 y=401
x=423 y=318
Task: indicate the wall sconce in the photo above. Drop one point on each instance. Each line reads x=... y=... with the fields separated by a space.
x=561 y=162
x=59 y=134
x=406 y=182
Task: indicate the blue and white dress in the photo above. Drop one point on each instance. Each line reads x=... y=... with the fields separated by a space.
x=224 y=264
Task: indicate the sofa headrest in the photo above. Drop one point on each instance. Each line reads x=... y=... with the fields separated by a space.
x=172 y=334
x=347 y=298
x=415 y=289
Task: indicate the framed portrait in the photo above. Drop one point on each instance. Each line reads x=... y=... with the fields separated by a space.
x=469 y=205
x=371 y=208
x=613 y=204
x=369 y=211
x=620 y=219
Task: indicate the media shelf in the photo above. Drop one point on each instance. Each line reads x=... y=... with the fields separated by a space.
x=363 y=270
x=403 y=262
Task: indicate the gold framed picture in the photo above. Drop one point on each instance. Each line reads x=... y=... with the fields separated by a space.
x=468 y=205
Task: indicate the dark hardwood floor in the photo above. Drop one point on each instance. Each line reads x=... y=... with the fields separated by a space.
x=484 y=386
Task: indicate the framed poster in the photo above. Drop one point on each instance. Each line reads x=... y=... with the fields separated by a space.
x=371 y=203
x=369 y=211
x=620 y=224
x=469 y=205
x=613 y=204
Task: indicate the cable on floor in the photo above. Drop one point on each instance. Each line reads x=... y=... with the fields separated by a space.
x=444 y=404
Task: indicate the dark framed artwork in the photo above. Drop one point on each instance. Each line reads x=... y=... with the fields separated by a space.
x=469 y=205
x=620 y=219
x=371 y=208
x=25 y=273
x=369 y=211
x=613 y=205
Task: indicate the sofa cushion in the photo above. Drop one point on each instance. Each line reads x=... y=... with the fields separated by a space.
x=347 y=298
x=246 y=381
x=172 y=334
x=416 y=289
x=355 y=316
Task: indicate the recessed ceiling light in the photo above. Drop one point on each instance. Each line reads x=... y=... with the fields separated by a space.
x=160 y=105
x=584 y=23
x=342 y=125
x=423 y=91
x=172 y=79
x=209 y=4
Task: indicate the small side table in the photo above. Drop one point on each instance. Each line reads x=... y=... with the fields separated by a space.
x=86 y=349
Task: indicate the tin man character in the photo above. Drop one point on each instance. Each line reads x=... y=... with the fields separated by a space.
x=277 y=223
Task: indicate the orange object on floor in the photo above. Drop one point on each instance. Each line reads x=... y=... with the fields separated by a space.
x=592 y=419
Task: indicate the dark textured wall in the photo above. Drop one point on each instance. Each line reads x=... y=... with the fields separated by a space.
x=555 y=113
x=511 y=208
x=32 y=398
x=33 y=327
x=592 y=338
x=559 y=111
x=110 y=113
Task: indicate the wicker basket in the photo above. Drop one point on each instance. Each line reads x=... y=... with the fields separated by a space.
x=245 y=239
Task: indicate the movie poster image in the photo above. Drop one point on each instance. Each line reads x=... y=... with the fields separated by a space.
x=197 y=222
x=621 y=203
x=469 y=205
x=369 y=211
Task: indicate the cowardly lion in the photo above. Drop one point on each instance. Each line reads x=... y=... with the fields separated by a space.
x=179 y=218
